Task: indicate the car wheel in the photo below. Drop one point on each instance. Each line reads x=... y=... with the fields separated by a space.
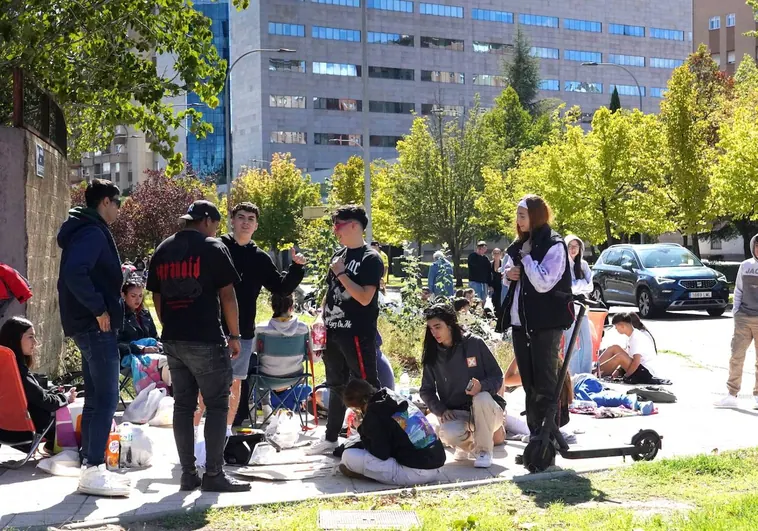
x=597 y=294
x=645 y=303
x=716 y=312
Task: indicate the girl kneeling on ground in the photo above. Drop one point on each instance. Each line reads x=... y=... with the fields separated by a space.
x=398 y=444
x=637 y=359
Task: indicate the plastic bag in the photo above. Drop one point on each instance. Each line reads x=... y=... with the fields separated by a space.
x=284 y=429
x=142 y=446
x=164 y=416
x=65 y=463
x=144 y=407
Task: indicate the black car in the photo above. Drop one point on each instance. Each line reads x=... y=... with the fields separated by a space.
x=657 y=278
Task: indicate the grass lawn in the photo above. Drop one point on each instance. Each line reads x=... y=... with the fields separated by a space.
x=707 y=492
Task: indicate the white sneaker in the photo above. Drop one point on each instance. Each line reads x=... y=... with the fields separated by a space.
x=320 y=447
x=266 y=410
x=755 y=406
x=461 y=455
x=99 y=481
x=483 y=460
x=727 y=401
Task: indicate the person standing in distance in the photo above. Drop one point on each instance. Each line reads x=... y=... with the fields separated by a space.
x=89 y=291
x=479 y=273
x=192 y=278
x=350 y=311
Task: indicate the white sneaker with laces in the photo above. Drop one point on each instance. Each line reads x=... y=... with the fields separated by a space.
x=99 y=481
x=483 y=460
x=321 y=447
x=461 y=455
x=727 y=401
x=755 y=406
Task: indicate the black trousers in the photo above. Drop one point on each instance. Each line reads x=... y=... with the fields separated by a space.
x=347 y=356
x=538 y=362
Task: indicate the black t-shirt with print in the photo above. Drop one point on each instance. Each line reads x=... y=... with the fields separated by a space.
x=187 y=270
x=343 y=313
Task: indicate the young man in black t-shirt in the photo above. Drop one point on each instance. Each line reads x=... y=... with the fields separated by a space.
x=190 y=273
x=350 y=311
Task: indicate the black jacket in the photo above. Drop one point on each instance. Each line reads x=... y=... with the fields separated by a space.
x=444 y=379
x=90 y=278
x=387 y=428
x=540 y=311
x=479 y=268
x=136 y=326
x=257 y=270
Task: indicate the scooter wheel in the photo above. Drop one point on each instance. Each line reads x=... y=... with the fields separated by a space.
x=646 y=444
x=538 y=456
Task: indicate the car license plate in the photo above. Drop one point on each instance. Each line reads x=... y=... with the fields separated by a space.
x=700 y=295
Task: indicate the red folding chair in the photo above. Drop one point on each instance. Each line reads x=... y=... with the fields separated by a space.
x=14 y=416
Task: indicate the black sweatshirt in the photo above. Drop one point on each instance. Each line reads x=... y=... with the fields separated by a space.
x=256 y=269
x=393 y=428
x=479 y=268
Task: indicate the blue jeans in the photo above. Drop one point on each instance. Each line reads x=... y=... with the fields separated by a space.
x=100 y=368
x=481 y=289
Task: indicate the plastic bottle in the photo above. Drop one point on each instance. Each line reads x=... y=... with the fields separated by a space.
x=125 y=439
x=318 y=336
x=405 y=383
x=112 y=451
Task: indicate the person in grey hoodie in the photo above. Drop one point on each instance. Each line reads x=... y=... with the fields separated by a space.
x=745 y=326
x=460 y=385
x=282 y=324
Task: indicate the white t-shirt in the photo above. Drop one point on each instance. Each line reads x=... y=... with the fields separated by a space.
x=641 y=343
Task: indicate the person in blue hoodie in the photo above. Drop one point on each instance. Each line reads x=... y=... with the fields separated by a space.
x=441 y=276
x=89 y=292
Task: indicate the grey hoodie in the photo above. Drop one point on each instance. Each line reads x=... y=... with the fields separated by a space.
x=279 y=327
x=746 y=287
x=582 y=285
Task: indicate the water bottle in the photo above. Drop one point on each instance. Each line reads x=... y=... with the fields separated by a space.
x=125 y=436
x=405 y=382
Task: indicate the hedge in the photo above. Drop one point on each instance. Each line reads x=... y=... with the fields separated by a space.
x=729 y=269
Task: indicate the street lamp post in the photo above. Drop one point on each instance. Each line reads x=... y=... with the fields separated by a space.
x=639 y=90
x=228 y=107
x=366 y=138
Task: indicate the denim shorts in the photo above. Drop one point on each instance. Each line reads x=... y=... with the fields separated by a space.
x=241 y=366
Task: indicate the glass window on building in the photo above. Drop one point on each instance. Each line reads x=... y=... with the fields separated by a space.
x=287 y=137
x=335 y=34
x=442 y=44
x=391 y=5
x=489 y=80
x=337 y=104
x=345 y=3
x=383 y=72
x=730 y=59
x=337 y=139
x=627 y=90
x=392 y=107
x=443 y=110
x=626 y=29
x=538 y=20
x=714 y=23
x=716 y=58
x=287 y=102
x=582 y=25
x=661 y=62
x=375 y=37
x=583 y=56
x=489 y=15
x=666 y=34
x=106 y=168
x=336 y=69
x=437 y=76
x=384 y=141
x=544 y=53
x=287 y=30
x=117 y=171
x=491 y=47
x=626 y=60
x=583 y=86
x=550 y=84
x=657 y=92
x=440 y=10
x=731 y=18
x=286 y=65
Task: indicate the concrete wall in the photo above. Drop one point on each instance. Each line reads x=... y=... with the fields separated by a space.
x=31 y=211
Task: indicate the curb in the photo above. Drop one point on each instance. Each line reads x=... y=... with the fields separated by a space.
x=525 y=478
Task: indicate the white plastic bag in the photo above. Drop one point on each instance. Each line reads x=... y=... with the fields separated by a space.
x=144 y=407
x=65 y=463
x=142 y=446
x=284 y=429
x=165 y=414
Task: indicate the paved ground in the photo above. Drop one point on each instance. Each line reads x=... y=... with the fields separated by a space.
x=31 y=497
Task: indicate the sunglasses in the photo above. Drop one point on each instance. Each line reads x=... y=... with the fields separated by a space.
x=116 y=200
x=339 y=224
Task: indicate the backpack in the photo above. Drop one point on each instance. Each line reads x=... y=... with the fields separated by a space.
x=653 y=394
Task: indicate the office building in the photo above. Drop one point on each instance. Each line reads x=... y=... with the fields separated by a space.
x=430 y=56
x=722 y=24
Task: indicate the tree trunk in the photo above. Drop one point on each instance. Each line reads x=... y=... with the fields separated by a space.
x=746 y=230
x=456 y=256
x=695 y=245
x=277 y=258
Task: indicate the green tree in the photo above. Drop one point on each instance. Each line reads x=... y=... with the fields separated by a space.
x=522 y=70
x=346 y=182
x=615 y=100
x=439 y=177
x=95 y=59
x=281 y=194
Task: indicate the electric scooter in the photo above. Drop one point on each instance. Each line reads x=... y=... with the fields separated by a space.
x=540 y=452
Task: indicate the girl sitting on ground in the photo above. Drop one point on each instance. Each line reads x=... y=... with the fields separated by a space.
x=398 y=444
x=17 y=334
x=138 y=323
x=637 y=359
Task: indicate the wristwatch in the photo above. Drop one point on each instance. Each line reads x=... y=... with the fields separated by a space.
x=234 y=338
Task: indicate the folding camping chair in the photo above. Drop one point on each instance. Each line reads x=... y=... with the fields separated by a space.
x=275 y=346
x=14 y=415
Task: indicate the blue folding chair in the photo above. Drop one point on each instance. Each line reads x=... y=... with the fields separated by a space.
x=262 y=385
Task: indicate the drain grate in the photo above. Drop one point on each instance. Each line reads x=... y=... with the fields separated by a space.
x=367 y=519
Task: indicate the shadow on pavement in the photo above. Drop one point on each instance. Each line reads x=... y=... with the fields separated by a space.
x=569 y=490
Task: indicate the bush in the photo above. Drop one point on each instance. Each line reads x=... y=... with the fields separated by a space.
x=729 y=269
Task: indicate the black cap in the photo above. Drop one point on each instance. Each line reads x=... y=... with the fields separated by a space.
x=201 y=209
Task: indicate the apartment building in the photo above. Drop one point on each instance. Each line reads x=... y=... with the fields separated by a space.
x=722 y=24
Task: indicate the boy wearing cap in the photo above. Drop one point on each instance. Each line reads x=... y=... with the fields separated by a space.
x=479 y=272
x=190 y=273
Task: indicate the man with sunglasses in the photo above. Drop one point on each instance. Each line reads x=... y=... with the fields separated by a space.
x=89 y=292
x=350 y=311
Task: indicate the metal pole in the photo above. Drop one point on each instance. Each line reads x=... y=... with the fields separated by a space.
x=366 y=138
x=228 y=127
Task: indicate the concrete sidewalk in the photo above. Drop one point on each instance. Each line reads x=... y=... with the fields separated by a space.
x=33 y=498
